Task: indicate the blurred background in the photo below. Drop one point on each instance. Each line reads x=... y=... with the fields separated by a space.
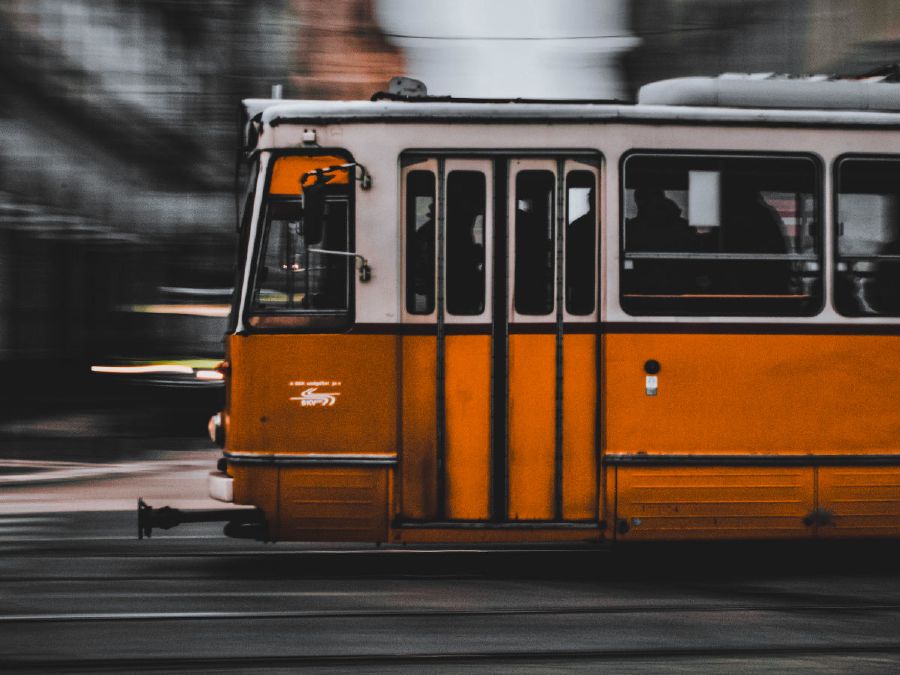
x=118 y=130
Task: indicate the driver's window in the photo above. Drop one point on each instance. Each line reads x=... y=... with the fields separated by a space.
x=303 y=261
x=293 y=278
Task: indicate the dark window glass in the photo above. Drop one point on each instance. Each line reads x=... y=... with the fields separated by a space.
x=721 y=235
x=867 y=278
x=534 y=254
x=581 y=219
x=465 y=242
x=292 y=277
x=420 y=239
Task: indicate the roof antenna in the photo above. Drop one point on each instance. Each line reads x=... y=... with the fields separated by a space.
x=402 y=89
x=407 y=86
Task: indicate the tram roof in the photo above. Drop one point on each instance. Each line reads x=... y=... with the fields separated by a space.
x=275 y=113
x=729 y=99
x=765 y=90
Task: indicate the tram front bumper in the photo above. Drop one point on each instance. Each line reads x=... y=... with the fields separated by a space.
x=220 y=486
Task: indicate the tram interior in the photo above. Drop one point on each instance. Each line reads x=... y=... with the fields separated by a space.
x=720 y=233
x=868 y=238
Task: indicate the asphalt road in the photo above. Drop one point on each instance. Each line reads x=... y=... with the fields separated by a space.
x=79 y=592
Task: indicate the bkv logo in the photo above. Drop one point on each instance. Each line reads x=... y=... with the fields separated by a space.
x=311 y=397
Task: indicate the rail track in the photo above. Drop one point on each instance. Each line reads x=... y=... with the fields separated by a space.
x=88 y=601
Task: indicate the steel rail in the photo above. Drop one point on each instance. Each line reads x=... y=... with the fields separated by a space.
x=95 y=617
x=426 y=659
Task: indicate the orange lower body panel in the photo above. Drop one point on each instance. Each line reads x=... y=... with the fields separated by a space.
x=731 y=398
x=257 y=486
x=313 y=393
x=333 y=504
x=753 y=394
x=317 y=504
x=859 y=501
x=667 y=503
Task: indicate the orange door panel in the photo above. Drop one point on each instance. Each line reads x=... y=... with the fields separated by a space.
x=313 y=394
x=418 y=462
x=467 y=389
x=532 y=426
x=579 y=427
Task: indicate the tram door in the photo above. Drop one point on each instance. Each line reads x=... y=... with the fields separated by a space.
x=499 y=359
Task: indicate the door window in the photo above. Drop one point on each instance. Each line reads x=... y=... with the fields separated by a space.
x=466 y=194
x=535 y=246
x=581 y=244
x=420 y=242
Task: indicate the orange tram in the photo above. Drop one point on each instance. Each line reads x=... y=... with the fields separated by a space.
x=461 y=321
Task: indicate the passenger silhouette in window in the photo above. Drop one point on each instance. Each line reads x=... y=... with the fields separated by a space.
x=423 y=256
x=580 y=244
x=659 y=227
x=752 y=225
x=658 y=224
x=465 y=270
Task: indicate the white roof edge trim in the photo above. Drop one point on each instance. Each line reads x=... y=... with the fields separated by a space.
x=255 y=106
x=325 y=112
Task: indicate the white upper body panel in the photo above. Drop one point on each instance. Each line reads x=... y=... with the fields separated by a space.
x=378 y=133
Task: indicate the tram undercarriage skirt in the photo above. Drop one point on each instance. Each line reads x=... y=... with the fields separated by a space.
x=247 y=523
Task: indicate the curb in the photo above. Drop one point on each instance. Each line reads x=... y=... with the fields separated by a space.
x=43 y=472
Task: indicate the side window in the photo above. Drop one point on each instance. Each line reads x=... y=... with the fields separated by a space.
x=466 y=193
x=420 y=242
x=534 y=243
x=720 y=235
x=294 y=272
x=867 y=279
x=581 y=218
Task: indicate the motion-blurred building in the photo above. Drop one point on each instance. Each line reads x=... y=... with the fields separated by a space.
x=118 y=123
x=116 y=168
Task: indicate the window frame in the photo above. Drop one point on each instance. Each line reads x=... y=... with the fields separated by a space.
x=408 y=243
x=520 y=164
x=245 y=211
x=548 y=246
x=486 y=248
x=294 y=321
x=500 y=186
x=835 y=233
x=817 y=164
